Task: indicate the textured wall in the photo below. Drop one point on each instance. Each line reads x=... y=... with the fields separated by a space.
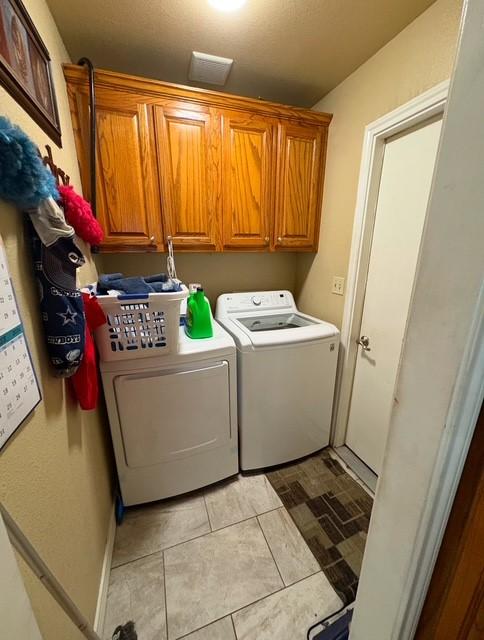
x=217 y=272
x=415 y=60
x=54 y=473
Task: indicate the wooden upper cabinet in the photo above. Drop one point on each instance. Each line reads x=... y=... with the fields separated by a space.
x=128 y=205
x=299 y=186
x=188 y=158
x=213 y=171
x=248 y=143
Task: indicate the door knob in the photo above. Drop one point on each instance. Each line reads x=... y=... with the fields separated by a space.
x=364 y=343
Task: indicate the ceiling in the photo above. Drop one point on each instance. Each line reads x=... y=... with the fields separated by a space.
x=290 y=51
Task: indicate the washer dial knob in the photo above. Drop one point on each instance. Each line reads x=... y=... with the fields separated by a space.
x=256 y=300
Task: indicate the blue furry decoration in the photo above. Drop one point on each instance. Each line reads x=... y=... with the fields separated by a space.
x=24 y=180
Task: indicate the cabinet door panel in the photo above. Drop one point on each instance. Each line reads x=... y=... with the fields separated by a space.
x=127 y=195
x=299 y=186
x=120 y=166
x=248 y=179
x=189 y=171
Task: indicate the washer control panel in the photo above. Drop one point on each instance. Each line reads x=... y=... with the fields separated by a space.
x=257 y=301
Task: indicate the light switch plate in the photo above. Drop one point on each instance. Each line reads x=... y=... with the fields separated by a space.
x=338 y=285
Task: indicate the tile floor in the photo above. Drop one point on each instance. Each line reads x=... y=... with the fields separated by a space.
x=226 y=563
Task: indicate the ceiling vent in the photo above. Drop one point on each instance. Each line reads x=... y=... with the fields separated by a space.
x=210 y=69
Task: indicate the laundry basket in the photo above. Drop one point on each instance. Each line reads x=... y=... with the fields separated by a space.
x=139 y=325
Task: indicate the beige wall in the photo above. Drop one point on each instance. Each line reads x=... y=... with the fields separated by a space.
x=54 y=476
x=439 y=391
x=217 y=272
x=415 y=60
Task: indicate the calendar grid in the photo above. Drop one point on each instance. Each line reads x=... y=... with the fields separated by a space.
x=19 y=389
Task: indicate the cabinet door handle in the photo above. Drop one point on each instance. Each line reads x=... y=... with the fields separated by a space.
x=279 y=239
x=266 y=239
x=152 y=240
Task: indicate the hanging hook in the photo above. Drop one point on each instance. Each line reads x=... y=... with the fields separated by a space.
x=57 y=172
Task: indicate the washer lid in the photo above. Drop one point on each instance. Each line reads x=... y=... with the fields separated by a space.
x=253 y=331
x=275 y=322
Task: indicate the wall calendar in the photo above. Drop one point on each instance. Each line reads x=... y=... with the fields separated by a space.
x=19 y=389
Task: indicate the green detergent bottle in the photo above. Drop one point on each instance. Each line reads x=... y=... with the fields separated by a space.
x=199 y=318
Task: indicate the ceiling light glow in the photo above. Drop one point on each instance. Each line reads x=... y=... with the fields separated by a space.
x=227 y=5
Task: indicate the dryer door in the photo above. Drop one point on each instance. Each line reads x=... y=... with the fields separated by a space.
x=171 y=414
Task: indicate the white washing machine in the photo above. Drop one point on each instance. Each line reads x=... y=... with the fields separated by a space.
x=286 y=368
x=173 y=418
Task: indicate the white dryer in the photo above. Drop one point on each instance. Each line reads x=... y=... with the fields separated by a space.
x=173 y=418
x=286 y=368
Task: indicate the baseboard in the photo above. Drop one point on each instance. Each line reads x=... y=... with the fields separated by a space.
x=359 y=468
x=105 y=573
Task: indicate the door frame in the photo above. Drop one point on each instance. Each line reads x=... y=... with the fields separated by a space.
x=460 y=545
x=462 y=415
x=414 y=112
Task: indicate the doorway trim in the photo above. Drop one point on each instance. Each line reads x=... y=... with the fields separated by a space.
x=463 y=413
x=414 y=112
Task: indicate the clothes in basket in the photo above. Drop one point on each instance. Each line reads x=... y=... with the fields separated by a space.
x=159 y=283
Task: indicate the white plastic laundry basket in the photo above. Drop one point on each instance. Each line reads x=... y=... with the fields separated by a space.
x=139 y=326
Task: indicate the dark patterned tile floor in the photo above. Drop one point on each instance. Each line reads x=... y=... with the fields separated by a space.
x=332 y=512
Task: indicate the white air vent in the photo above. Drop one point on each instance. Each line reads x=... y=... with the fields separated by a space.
x=210 y=69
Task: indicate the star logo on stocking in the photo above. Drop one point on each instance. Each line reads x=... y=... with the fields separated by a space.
x=68 y=316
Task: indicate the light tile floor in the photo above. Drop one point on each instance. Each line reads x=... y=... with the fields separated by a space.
x=227 y=563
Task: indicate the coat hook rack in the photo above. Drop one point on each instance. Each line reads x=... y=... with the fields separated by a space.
x=59 y=175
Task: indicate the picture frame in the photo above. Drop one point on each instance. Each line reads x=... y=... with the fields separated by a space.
x=25 y=69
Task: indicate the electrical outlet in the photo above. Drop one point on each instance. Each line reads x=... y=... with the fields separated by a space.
x=338 y=285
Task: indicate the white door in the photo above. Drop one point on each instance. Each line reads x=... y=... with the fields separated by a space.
x=171 y=414
x=408 y=165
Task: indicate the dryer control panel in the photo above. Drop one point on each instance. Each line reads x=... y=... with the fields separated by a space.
x=229 y=303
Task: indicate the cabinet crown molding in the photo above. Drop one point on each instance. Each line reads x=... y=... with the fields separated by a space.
x=75 y=74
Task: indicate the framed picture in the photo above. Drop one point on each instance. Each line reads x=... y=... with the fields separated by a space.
x=25 y=67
